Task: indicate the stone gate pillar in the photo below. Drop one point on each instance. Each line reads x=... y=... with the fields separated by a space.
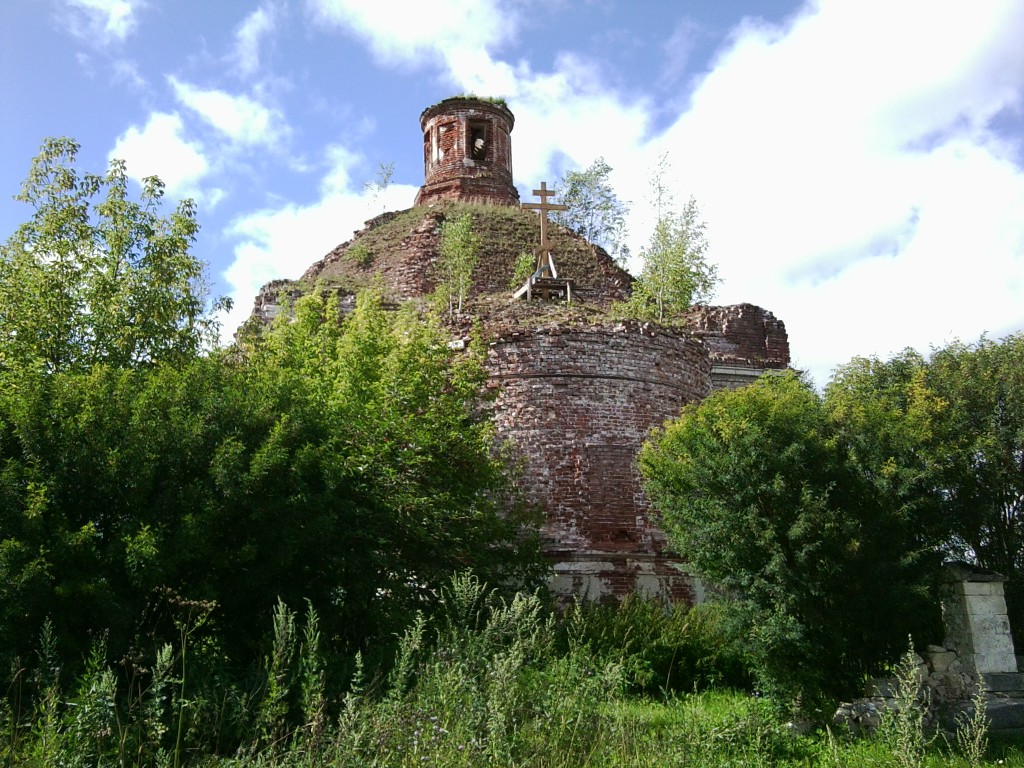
x=974 y=615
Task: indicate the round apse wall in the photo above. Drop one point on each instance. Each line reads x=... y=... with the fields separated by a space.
x=577 y=404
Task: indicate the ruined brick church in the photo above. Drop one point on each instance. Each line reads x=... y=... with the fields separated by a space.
x=576 y=392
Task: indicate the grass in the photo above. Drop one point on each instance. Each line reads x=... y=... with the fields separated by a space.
x=487 y=682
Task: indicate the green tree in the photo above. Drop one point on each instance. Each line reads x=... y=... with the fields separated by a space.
x=525 y=265
x=978 y=457
x=962 y=444
x=345 y=464
x=93 y=277
x=887 y=417
x=676 y=273
x=458 y=256
x=771 y=494
x=595 y=211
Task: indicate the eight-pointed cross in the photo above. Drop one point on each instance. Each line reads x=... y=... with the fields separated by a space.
x=544 y=206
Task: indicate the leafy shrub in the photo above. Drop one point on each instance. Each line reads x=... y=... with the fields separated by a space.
x=345 y=464
x=359 y=254
x=665 y=648
x=794 y=503
x=525 y=264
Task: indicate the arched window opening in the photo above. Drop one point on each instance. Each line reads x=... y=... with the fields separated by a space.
x=477 y=149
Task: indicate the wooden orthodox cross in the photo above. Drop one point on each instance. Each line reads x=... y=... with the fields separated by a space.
x=544 y=282
x=545 y=264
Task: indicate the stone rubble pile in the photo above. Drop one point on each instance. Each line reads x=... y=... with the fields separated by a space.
x=944 y=689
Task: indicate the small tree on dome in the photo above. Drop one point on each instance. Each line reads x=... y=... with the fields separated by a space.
x=676 y=272
x=594 y=209
x=459 y=253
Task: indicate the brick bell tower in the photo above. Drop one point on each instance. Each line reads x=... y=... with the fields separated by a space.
x=467 y=152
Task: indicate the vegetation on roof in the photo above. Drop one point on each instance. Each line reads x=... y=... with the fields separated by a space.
x=505 y=232
x=497 y=101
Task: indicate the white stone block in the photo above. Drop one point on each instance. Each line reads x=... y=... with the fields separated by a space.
x=982 y=588
x=988 y=663
x=989 y=628
x=582 y=568
x=649 y=585
x=986 y=604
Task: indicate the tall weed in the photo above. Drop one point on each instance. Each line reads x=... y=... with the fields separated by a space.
x=902 y=727
x=90 y=717
x=312 y=675
x=46 y=735
x=487 y=681
x=272 y=717
x=972 y=728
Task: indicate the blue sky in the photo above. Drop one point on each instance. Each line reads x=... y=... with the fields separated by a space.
x=860 y=163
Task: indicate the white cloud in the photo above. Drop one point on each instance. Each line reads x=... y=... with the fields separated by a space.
x=569 y=118
x=849 y=181
x=421 y=32
x=250 y=36
x=160 y=149
x=284 y=241
x=102 y=21
x=678 y=49
x=842 y=162
x=127 y=72
x=458 y=36
x=240 y=118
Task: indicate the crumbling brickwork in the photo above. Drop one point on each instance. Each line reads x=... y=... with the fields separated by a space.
x=741 y=333
x=401 y=248
x=743 y=342
x=406 y=268
x=467 y=153
x=577 y=404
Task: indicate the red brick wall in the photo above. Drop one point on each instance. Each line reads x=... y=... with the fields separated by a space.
x=577 y=404
x=450 y=170
x=740 y=336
